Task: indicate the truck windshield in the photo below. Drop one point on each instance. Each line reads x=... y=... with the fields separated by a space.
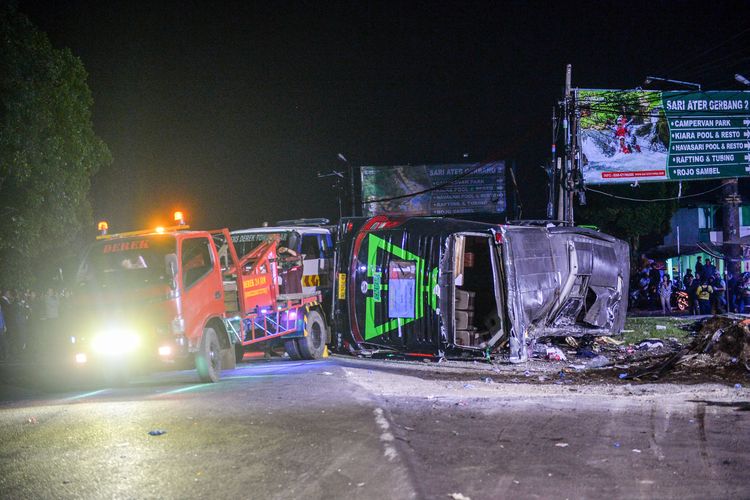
x=245 y=243
x=131 y=262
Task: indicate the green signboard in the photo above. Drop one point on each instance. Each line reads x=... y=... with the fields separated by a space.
x=629 y=135
x=434 y=189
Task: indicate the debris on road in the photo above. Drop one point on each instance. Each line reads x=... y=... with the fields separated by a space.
x=599 y=362
x=604 y=340
x=157 y=432
x=721 y=342
x=650 y=344
x=549 y=352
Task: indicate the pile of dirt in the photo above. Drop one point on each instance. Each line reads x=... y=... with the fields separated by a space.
x=722 y=343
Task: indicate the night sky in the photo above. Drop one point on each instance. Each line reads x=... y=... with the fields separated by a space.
x=228 y=110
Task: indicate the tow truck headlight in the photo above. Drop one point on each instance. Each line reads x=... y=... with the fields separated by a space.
x=115 y=342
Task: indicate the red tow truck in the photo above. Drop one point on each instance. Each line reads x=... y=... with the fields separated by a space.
x=168 y=294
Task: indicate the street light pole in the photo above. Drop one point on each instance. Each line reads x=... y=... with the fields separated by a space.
x=350 y=170
x=651 y=79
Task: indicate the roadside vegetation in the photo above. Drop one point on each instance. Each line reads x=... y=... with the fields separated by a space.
x=639 y=329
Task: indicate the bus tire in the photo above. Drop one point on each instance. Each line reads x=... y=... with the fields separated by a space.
x=208 y=357
x=313 y=345
x=292 y=349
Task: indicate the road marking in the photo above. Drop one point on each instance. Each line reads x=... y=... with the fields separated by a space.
x=183 y=389
x=86 y=395
x=386 y=437
x=242 y=377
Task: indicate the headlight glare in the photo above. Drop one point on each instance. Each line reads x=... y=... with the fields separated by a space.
x=115 y=342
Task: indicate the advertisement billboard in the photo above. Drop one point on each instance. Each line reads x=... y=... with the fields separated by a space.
x=648 y=135
x=434 y=189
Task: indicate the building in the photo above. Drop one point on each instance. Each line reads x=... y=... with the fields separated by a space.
x=697 y=231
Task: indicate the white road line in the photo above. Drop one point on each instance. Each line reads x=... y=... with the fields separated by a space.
x=386 y=436
x=86 y=395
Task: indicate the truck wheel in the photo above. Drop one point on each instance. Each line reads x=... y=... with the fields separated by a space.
x=314 y=344
x=239 y=352
x=228 y=358
x=292 y=349
x=208 y=357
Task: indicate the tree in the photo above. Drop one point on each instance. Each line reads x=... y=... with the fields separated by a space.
x=48 y=150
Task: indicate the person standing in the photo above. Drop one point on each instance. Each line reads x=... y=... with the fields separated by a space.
x=665 y=294
x=718 y=298
x=688 y=278
x=732 y=286
x=691 y=287
x=699 y=266
x=709 y=269
x=703 y=293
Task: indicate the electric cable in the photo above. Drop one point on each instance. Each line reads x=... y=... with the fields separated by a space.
x=653 y=200
x=689 y=60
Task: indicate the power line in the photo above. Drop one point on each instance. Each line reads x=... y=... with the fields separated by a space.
x=688 y=61
x=654 y=200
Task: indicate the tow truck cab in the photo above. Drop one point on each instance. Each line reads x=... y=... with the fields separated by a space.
x=146 y=296
x=307 y=253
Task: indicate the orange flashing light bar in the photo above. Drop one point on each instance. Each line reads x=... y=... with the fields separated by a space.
x=179 y=218
x=102 y=227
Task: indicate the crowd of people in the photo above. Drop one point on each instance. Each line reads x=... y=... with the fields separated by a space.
x=25 y=318
x=705 y=291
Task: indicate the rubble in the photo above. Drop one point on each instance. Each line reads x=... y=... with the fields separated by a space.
x=720 y=348
x=721 y=342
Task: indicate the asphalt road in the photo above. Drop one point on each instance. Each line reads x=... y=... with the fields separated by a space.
x=346 y=428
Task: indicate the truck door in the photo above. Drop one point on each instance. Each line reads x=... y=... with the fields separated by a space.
x=318 y=262
x=202 y=293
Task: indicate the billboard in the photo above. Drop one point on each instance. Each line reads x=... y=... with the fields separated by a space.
x=649 y=135
x=434 y=189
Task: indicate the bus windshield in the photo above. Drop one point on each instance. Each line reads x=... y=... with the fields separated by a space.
x=131 y=262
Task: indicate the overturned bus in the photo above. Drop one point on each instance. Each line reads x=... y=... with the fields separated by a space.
x=431 y=286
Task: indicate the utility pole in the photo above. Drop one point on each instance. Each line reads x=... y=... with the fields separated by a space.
x=565 y=190
x=337 y=185
x=352 y=196
x=730 y=203
x=551 y=169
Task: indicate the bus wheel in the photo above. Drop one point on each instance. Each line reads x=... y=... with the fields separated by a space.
x=313 y=345
x=208 y=357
